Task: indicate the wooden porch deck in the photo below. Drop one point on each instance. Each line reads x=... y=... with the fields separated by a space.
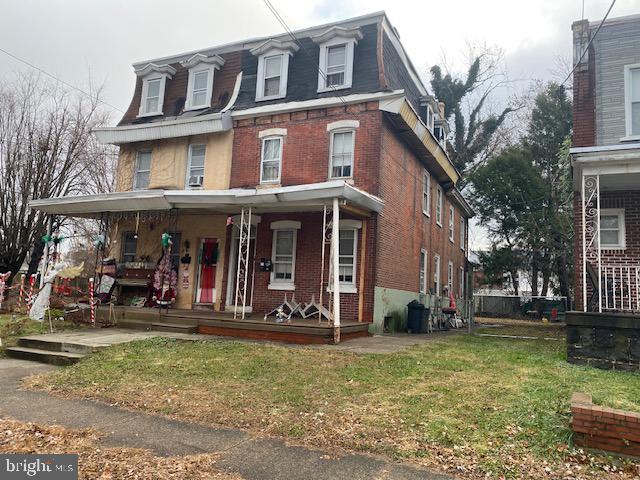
x=298 y=330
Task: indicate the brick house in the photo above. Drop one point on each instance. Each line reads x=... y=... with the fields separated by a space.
x=606 y=174
x=264 y=157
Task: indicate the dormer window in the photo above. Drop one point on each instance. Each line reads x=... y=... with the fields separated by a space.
x=273 y=68
x=200 y=85
x=430 y=118
x=154 y=79
x=337 y=47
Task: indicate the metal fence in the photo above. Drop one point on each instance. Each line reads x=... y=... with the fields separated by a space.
x=514 y=306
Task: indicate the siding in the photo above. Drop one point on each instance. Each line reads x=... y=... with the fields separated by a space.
x=616 y=45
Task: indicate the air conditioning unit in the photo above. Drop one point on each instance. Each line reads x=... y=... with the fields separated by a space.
x=196 y=180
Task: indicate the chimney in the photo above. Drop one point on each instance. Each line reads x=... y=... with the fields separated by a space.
x=441 y=109
x=584 y=95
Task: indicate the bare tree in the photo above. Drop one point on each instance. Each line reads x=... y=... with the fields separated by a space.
x=46 y=150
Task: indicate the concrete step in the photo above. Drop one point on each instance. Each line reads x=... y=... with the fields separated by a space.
x=44 y=356
x=174 y=327
x=134 y=324
x=55 y=346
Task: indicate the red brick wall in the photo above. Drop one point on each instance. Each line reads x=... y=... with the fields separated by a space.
x=602 y=428
x=402 y=226
x=630 y=202
x=307 y=266
x=584 y=104
x=305 y=152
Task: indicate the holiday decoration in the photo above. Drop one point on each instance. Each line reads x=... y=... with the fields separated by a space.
x=165 y=279
x=98 y=240
x=4 y=277
x=41 y=303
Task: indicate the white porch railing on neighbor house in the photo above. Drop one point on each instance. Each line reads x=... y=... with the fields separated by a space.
x=620 y=288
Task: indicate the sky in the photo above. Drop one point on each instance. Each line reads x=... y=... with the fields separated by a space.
x=94 y=42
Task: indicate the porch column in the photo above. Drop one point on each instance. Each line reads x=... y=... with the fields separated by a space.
x=45 y=254
x=335 y=258
x=591 y=235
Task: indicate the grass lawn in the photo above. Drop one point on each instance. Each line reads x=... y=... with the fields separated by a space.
x=470 y=405
x=11 y=330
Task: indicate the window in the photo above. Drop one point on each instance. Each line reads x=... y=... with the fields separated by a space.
x=129 y=247
x=461 y=291
x=426 y=193
x=199 y=96
x=195 y=166
x=632 y=99
x=423 y=271
x=342 y=146
x=439 y=206
x=142 y=171
x=612 y=229
x=451 y=223
x=436 y=274
x=337 y=46
x=284 y=251
x=271 y=160
x=430 y=118
x=450 y=277
x=462 y=233
x=272 y=76
x=152 y=97
x=347 y=245
x=154 y=79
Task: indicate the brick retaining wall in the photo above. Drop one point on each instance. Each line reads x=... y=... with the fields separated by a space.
x=602 y=428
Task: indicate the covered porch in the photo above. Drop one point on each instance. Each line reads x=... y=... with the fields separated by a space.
x=240 y=254
x=607 y=228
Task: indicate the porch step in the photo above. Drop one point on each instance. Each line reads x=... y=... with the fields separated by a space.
x=55 y=346
x=44 y=356
x=134 y=324
x=174 y=327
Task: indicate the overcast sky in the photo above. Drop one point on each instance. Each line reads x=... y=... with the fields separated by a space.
x=85 y=41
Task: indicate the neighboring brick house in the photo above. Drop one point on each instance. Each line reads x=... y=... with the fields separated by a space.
x=606 y=164
x=246 y=153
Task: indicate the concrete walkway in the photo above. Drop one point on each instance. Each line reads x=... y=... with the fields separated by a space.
x=254 y=458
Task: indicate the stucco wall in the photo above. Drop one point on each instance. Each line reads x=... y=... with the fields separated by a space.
x=193 y=228
x=169 y=162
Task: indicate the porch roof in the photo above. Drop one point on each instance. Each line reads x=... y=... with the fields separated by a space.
x=617 y=165
x=297 y=197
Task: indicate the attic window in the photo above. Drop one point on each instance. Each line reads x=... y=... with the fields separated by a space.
x=200 y=85
x=154 y=78
x=337 y=46
x=273 y=68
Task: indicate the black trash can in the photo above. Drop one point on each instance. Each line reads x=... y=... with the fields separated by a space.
x=415 y=317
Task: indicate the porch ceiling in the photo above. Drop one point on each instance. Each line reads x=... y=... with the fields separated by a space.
x=618 y=166
x=292 y=198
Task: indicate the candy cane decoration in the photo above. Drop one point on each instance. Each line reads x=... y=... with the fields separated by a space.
x=32 y=281
x=91 y=304
x=21 y=292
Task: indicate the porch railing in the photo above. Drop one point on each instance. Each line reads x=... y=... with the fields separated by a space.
x=620 y=288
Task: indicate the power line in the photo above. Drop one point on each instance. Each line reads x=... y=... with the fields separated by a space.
x=295 y=39
x=15 y=57
x=590 y=42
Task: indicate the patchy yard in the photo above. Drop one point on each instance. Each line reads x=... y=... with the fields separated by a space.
x=104 y=463
x=11 y=330
x=473 y=406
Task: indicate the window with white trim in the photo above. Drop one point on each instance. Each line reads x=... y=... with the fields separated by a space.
x=426 y=193
x=612 y=229
x=284 y=255
x=450 y=276
x=423 y=271
x=452 y=213
x=439 y=206
x=462 y=233
x=152 y=96
x=200 y=87
x=430 y=118
x=195 y=165
x=142 y=170
x=436 y=274
x=337 y=46
x=342 y=147
x=461 y=280
x=632 y=99
x=347 y=247
x=271 y=162
x=272 y=76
